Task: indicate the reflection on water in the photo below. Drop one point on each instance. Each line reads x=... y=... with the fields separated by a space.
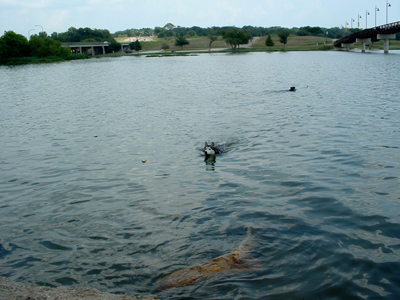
x=103 y=181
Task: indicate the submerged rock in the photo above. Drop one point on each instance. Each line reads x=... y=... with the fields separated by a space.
x=11 y=290
x=233 y=262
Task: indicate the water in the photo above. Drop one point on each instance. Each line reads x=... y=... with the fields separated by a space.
x=314 y=172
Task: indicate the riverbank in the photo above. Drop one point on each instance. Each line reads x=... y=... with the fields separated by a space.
x=41 y=60
x=10 y=290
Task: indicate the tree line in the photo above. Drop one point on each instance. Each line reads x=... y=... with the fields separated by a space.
x=13 y=45
x=16 y=46
x=170 y=30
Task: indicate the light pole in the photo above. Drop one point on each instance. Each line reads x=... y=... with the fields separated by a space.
x=387 y=10
x=376 y=9
x=352 y=20
x=366 y=18
x=39 y=26
x=358 y=20
x=29 y=32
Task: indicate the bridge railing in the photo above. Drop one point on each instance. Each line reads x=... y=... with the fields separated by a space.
x=86 y=43
x=390 y=26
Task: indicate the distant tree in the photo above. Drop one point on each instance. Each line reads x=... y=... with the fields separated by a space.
x=283 y=36
x=191 y=33
x=236 y=37
x=169 y=26
x=82 y=34
x=13 y=45
x=43 y=34
x=312 y=31
x=269 y=42
x=166 y=31
x=137 y=46
x=212 y=38
x=165 y=46
x=42 y=47
x=113 y=46
x=181 y=41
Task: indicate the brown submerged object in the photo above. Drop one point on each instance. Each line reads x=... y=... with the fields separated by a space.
x=228 y=263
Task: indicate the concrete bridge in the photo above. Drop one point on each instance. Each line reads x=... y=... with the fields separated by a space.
x=384 y=32
x=92 y=48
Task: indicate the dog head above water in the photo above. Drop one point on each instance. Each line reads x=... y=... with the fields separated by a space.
x=211 y=149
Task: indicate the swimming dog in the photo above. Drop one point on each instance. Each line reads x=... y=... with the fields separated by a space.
x=211 y=149
x=233 y=262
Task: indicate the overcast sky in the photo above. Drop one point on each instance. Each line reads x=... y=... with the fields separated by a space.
x=59 y=15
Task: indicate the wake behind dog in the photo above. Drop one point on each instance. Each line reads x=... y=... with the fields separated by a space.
x=230 y=263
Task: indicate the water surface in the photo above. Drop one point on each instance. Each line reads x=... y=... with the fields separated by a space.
x=315 y=172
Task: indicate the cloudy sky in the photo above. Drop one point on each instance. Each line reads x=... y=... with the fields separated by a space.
x=58 y=15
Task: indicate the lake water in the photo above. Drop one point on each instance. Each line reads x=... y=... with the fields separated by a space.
x=315 y=172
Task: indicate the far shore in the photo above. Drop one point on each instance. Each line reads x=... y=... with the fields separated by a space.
x=151 y=46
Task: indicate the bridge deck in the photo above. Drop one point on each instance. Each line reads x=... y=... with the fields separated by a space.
x=390 y=28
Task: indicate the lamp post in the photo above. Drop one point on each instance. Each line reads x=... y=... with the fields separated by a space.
x=358 y=20
x=39 y=26
x=376 y=9
x=29 y=32
x=352 y=20
x=387 y=10
x=366 y=18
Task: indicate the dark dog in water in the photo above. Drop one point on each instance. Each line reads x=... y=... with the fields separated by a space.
x=211 y=149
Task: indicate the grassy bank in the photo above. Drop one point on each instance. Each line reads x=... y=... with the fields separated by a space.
x=41 y=60
x=295 y=43
x=195 y=43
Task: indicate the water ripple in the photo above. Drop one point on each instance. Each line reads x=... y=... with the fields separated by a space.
x=103 y=182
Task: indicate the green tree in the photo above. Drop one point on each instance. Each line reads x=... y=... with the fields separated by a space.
x=165 y=46
x=42 y=47
x=13 y=45
x=283 y=37
x=166 y=31
x=212 y=38
x=181 y=41
x=137 y=46
x=113 y=46
x=236 y=37
x=269 y=42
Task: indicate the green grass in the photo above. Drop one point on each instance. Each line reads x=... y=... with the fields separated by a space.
x=294 y=43
x=195 y=43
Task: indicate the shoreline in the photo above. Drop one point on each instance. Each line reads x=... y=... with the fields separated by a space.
x=11 y=290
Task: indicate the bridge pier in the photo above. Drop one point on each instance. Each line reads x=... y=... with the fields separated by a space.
x=363 y=43
x=386 y=37
x=347 y=46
